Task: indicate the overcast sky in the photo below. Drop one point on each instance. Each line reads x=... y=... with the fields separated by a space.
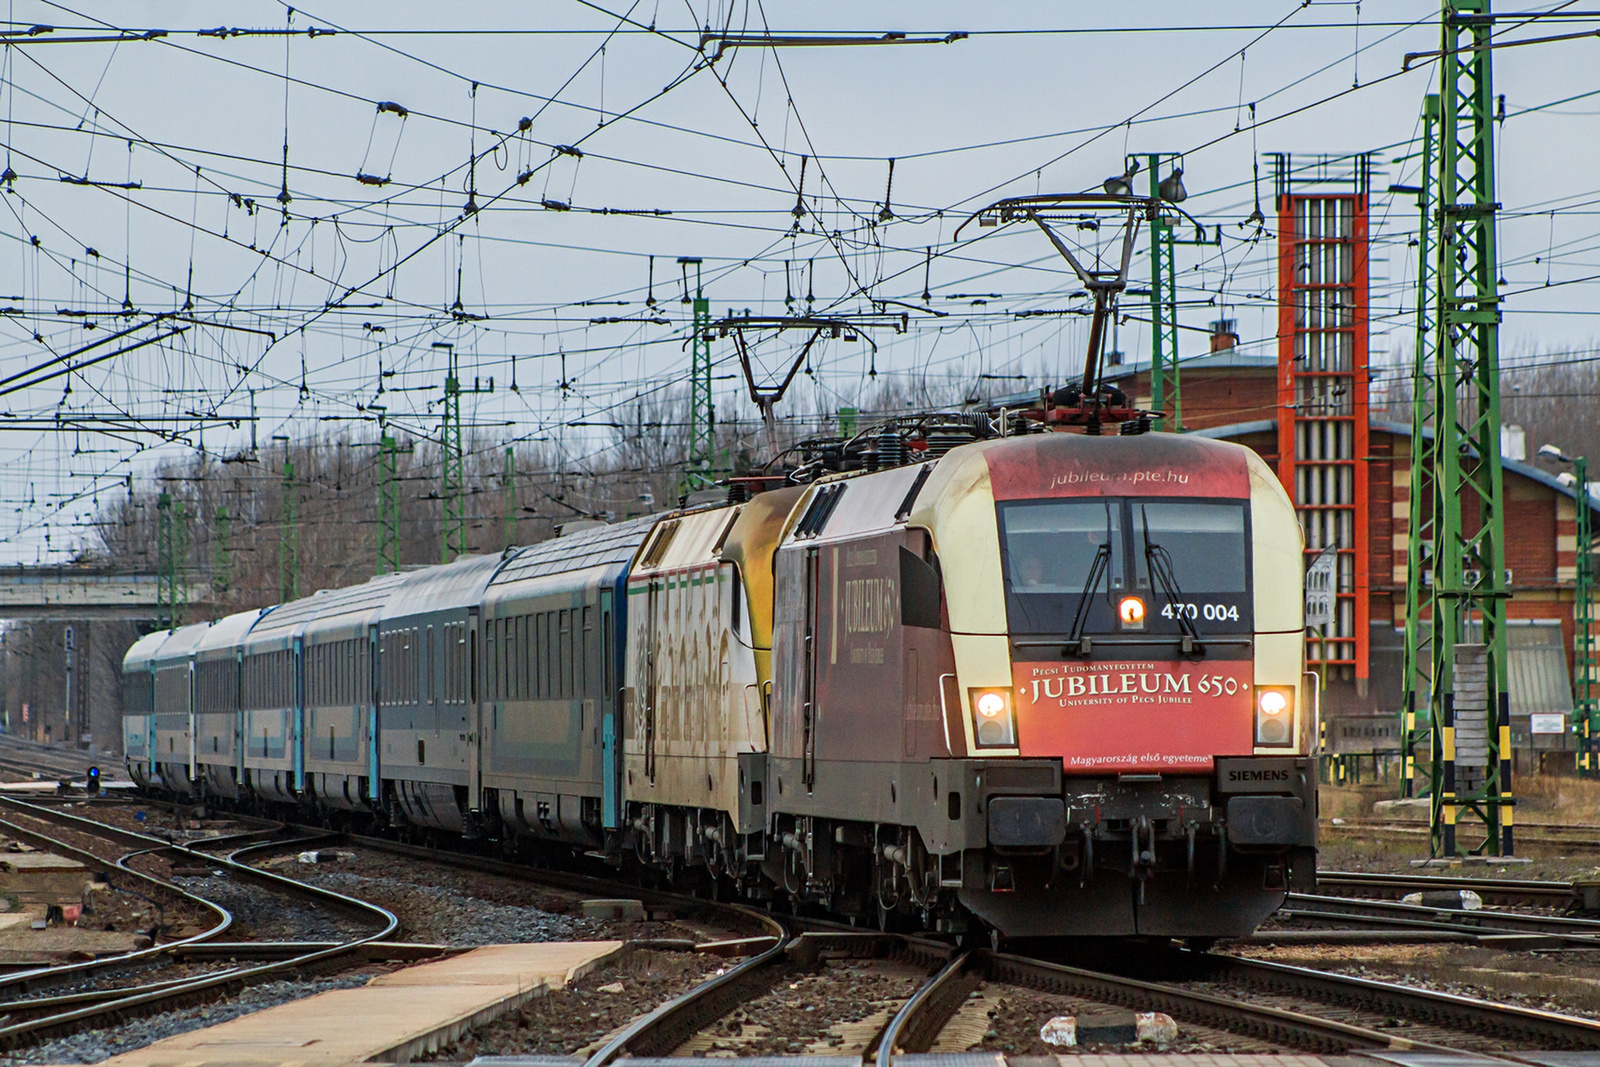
x=166 y=158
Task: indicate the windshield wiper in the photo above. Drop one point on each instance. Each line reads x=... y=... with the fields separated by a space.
x=1159 y=563
x=1076 y=642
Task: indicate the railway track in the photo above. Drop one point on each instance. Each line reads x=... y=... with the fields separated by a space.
x=1285 y=1007
x=34 y=760
x=1385 y=913
x=1290 y=1007
x=211 y=965
x=1499 y=891
x=1577 y=837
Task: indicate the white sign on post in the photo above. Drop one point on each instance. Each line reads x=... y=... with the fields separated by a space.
x=1322 y=587
x=1547 y=723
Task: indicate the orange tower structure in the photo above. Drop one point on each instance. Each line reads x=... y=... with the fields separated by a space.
x=1323 y=418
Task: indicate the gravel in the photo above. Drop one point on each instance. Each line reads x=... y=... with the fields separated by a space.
x=260 y=914
x=1015 y=1016
x=92 y=1046
x=441 y=904
x=1561 y=982
x=160 y=970
x=563 y=1021
x=436 y=915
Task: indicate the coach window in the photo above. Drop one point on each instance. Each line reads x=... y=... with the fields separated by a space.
x=564 y=654
x=525 y=656
x=543 y=644
x=513 y=675
x=428 y=669
x=586 y=648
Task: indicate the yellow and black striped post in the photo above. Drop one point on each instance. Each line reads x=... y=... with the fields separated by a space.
x=1447 y=794
x=1507 y=800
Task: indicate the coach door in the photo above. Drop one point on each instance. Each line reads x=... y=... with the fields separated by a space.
x=610 y=718
x=297 y=712
x=238 y=716
x=472 y=724
x=808 y=709
x=649 y=687
x=374 y=783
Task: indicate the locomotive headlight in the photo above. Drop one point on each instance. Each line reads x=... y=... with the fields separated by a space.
x=1275 y=716
x=1130 y=610
x=993 y=725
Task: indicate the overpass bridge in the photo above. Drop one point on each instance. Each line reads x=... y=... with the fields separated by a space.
x=86 y=594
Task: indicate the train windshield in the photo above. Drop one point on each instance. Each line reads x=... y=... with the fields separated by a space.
x=1051 y=547
x=1204 y=541
x=1188 y=559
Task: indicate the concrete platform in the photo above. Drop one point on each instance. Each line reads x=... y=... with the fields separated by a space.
x=391 y=1019
x=1132 y=1058
x=42 y=877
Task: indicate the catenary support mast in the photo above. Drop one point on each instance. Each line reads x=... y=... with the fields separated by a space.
x=1469 y=702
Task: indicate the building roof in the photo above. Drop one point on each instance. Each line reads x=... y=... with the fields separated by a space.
x=1400 y=429
x=1228 y=359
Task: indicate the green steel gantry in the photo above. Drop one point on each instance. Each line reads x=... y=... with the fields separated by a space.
x=1163 y=305
x=508 y=489
x=1586 y=703
x=389 y=451
x=222 y=561
x=171 y=548
x=1417 y=729
x=452 y=482
x=289 y=534
x=452 y=501
x=1468 y=699
x=1165 y=384
x=701 y=471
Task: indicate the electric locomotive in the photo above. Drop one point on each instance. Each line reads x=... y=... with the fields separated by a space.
x=1053 y=681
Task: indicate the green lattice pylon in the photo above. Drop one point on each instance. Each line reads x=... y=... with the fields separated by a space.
x=1164 y=382
x=289 y=534
x=701 y=472
x=172 y=592
x=222 y=560
x=1416 y=719
x=508 y=489
x=388 y=502
x=1469 y=702
x=452 y=488
x=452 y=472
x=1585 y=691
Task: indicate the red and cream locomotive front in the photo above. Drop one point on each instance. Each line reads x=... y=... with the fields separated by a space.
x=1130 y=610
x=1141 y=641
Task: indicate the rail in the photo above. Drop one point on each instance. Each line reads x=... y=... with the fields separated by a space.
x=123 y=1002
